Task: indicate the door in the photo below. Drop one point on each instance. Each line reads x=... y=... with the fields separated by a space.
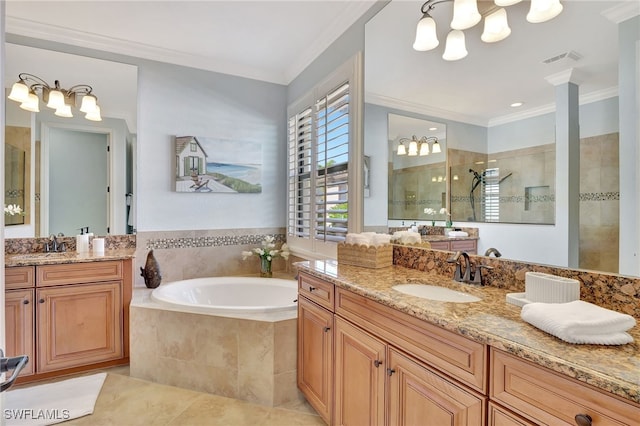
x=19 y=335
x=315 y=356
x=360 y=376
x=420 y=396
x=78 y=182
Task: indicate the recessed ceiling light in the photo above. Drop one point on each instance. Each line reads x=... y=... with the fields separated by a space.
x=517 y=104
x=433 y=128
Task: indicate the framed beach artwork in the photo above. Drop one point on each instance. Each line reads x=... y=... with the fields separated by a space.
x=206 y=164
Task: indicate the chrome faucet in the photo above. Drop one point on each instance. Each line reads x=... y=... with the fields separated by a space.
x=53 y=245
x=493 y=250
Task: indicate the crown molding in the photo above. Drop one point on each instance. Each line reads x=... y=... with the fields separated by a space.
x=27 y=28
x=622 y=12
x=389 y=102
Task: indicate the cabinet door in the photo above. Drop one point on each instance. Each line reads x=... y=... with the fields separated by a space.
x=499 y=416
x=78 y=325
x=359 y=375
x=440 y=245
x=420 y=396
x=315 y=356
x=18 y=313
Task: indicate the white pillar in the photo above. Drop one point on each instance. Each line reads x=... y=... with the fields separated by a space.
x=567 y=165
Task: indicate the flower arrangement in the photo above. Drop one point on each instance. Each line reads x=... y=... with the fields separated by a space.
x=267 y=252
x=430 y=212
x=449 y=223
x=12 y=209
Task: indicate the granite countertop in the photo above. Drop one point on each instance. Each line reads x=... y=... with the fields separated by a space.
x=34 y=259
x=446 y=238
x=494 y=322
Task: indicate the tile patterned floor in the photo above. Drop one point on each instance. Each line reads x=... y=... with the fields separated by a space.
x=127 y=401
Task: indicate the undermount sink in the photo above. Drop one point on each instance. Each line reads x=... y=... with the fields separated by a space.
x=433 y=292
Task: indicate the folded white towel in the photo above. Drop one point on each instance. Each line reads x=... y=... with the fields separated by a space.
x=580 y=322
x=458 y=234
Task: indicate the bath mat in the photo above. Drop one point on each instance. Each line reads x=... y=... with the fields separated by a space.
x=53 y=403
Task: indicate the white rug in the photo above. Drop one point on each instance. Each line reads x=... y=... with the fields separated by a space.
x=53 y=403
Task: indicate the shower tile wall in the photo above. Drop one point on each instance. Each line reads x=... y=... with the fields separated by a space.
x=599 y=202
x=460 y=162
x=413 y=189
x=204 y=253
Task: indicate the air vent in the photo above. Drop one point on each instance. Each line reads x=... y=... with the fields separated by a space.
x=566 y=55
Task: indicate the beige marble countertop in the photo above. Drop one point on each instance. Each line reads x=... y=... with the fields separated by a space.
x=34 y=259
x=494 y=322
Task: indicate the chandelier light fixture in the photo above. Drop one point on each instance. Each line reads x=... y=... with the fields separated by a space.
x=417 y=146
x=466 y=15
x=28 y=87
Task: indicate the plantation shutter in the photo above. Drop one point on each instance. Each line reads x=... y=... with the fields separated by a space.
x=491 y=198
x=318 y=159
x=299 y=179
x=332 y=160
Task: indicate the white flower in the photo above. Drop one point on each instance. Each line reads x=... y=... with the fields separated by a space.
x=267 y=250
x=12 y=209
x=246 y=254
x=430 y=211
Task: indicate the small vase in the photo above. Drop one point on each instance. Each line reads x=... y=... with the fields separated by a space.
x=265 y=268
x=433 y=223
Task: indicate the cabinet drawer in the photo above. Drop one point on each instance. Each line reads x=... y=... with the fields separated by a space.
x=546 y=397
x=19 y=277
x=464 y=245
x=440 y=245
x=451 y=353
x=316 y=290
x=77 y=273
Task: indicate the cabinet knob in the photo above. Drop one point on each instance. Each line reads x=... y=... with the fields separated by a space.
x=583 y=420
x=326 y=329
x=377 y=363
x=41 y=301
x=311 y=289
x=390 y=371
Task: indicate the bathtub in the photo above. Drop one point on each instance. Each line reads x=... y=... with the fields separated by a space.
x=228 y=336
x=229 y=295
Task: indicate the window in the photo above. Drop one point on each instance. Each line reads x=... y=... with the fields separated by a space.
x=194 y=147
x=320 y=167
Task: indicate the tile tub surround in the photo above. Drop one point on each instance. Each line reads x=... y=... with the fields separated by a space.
x=612 y=291
x=249 y=360
x=494 y=322
x=205 y=253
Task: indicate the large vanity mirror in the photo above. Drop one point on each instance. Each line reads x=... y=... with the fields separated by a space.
x=70 y=173
x=501 y=161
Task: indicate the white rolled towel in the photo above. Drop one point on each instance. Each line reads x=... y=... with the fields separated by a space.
x=580 y=322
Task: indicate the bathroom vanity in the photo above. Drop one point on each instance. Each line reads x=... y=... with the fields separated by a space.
x=68 y=312
x=368 y=354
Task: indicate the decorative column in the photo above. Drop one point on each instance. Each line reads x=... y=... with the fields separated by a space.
x=567 y=164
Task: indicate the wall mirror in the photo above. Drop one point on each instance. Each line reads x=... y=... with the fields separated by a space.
x=417 y=168
x=75 y=173
x=491 y=145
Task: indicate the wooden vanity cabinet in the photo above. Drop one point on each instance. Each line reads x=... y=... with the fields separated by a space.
x=470 y=246
x=315 y=344
x=73 y=316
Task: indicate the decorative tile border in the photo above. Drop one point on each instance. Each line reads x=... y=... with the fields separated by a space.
x=584 y=196
x=211 y=241
x=600 y=196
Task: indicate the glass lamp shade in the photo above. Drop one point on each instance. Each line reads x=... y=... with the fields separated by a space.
x=56 y=100
x=465 y=14
x=64 y=111
x=413 y=148
x=496 y=27
x=19 y=92
x=436 y=148
x=455 y=48
x=424 y=149
x=402 y=150
x=88 y=104
x=503 y=3
x=95 y=115
x=426 y=38
x=32 y=103
x=543 y=10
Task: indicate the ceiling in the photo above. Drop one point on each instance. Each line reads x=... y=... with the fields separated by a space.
x=275 y=40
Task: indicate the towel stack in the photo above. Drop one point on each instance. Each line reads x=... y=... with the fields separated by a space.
x=407 y=237
x=369 y=239
x=580 y=322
